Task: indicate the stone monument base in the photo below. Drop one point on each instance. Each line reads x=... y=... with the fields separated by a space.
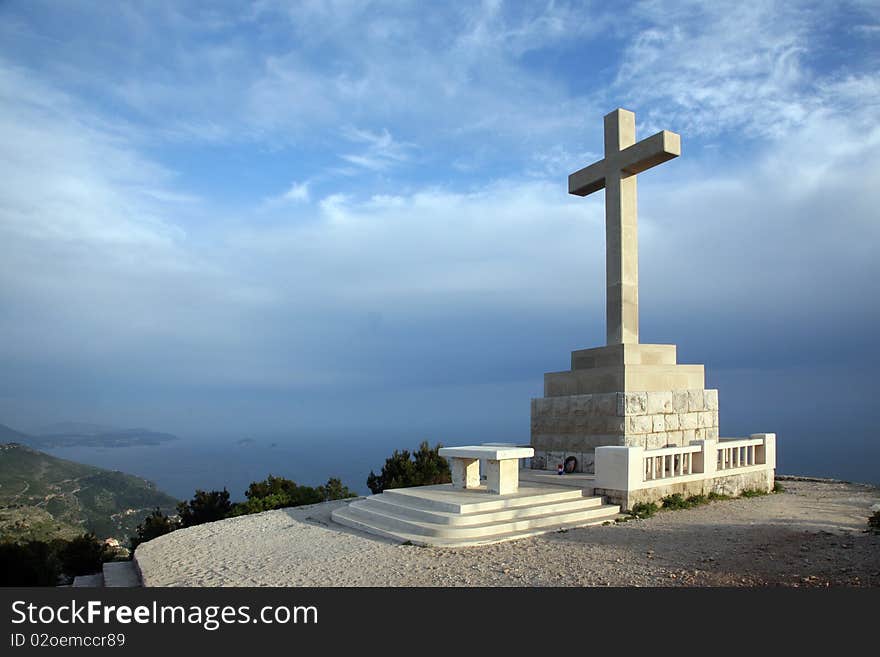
x=627 y=395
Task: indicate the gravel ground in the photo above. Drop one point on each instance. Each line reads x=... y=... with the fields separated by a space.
x=811 y=535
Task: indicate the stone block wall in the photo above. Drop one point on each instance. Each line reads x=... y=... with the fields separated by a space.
x=574 y=425
x=724 y=484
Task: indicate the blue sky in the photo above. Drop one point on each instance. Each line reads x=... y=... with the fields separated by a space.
x=335 y=216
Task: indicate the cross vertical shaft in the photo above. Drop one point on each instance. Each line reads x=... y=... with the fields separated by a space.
x=624 y=158
x=621 y=237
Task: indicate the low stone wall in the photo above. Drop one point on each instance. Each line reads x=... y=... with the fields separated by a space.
x=731 y=484
x=574 y=425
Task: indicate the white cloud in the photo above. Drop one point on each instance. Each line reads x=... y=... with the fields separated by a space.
x=282 y=73
x=100 y=264
x=743 y=70
x=297 y=192
x=67 y=176
x=381 y=152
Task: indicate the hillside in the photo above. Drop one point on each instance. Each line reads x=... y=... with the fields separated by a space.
x=42 y=496
x=10 y=435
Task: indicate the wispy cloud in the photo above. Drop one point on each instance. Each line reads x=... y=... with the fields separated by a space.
x=381 y=152
x=297 y=192
x=719 y=69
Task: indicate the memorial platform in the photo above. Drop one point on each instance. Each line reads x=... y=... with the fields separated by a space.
x=445 y=516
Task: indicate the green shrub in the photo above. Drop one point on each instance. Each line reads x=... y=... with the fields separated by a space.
x=717 y=497
x=82 y=556
x=753 y=492
x=33 y=563
x=674 y=501
x=154 y=525
x=259 y=504
x=644 y=509
x=334 y=490
x=697 y=500
x=279 y=493
x=204 y=507
x=37 y=563
x=402 y=470
x=874 y=522
x=677 y=501
x=778 y=488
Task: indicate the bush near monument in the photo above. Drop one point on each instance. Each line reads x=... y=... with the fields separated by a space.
x=204 y=507
x=41 y=563
x=154 y=525
x=82 y=556
x=32 y=563
x=424 y=467
x=644 y=510
x=677 y=501
x=209 y=506
x=278 y=493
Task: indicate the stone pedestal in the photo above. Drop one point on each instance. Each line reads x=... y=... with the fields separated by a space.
x=465 y=473
x=625 y=395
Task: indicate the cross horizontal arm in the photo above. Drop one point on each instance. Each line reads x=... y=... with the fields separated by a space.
x=588 y=180
x=634 y=159
x=648 y=153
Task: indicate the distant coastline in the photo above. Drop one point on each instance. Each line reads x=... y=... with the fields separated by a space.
x=78 y=434
x=119 y=438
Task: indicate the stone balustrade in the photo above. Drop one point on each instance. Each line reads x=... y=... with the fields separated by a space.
x=740 y=453
x=728 y=465
x=670 y=461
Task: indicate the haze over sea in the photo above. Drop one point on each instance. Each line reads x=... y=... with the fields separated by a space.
x=835 y=445
x=180 y=467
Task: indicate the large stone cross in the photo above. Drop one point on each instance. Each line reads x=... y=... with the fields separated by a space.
x=624 y=158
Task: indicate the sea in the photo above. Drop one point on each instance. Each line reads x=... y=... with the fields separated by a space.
x=179 y=467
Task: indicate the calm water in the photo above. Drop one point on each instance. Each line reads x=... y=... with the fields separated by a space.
x=181 y=466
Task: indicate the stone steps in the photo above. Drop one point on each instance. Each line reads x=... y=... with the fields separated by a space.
x=444 y=498
x=367 y=513
x=395 y=509
x=115 y=574
x=422 y=516
x=121 y=574
x=95 y=581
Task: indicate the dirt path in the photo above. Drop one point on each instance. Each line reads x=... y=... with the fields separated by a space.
x=811 y=535
x=27 y=487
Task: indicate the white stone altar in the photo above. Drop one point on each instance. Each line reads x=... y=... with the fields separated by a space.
x=502 y=466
